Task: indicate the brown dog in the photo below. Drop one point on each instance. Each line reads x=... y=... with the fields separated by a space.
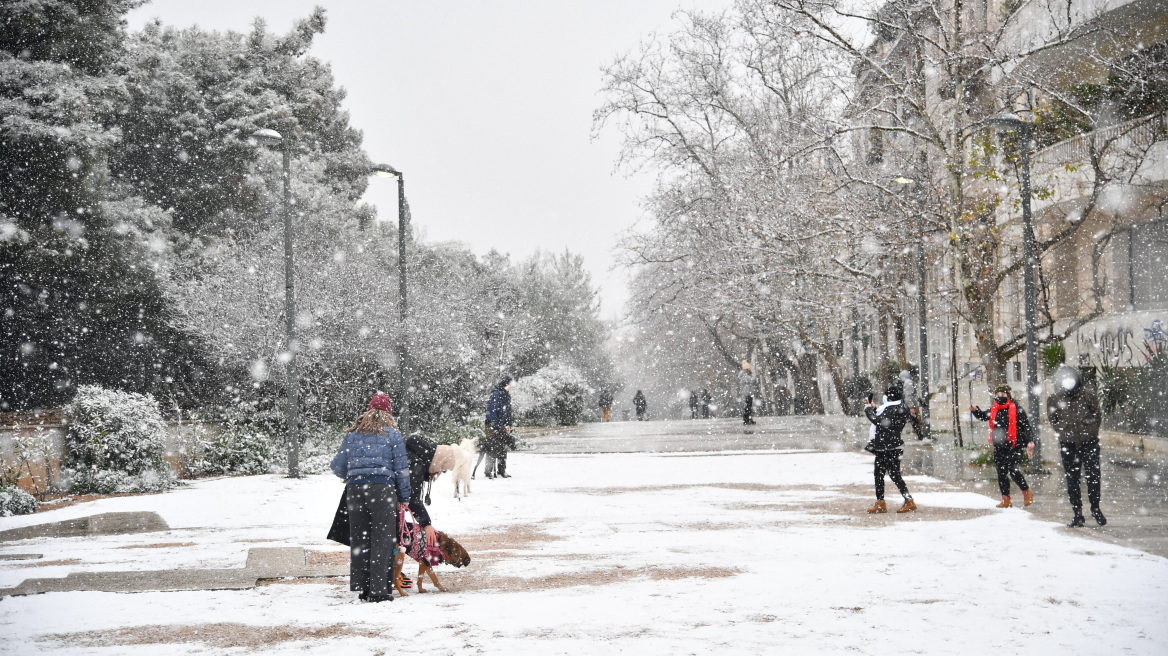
x=452 y=552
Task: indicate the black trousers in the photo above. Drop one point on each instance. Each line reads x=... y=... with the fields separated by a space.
x=372 y=536
x=748 y=411
x=1008 y=462
x=888 y=463
x=1076 y=459
x=915 y=419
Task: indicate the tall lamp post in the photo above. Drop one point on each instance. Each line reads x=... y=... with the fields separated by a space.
x=272 y=138
x=1010 y=121
x=403 y=218
x=922 y=323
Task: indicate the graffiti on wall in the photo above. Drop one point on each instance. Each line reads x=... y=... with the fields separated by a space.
x=1121 y=347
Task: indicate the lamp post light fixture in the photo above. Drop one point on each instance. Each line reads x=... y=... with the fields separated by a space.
x=403 y=218
x=272 y=138
x=1010 y=121
x=922 y=323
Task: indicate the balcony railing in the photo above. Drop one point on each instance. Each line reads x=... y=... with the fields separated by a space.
x=1111 y=141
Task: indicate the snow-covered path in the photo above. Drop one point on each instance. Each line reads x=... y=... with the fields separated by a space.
x=759 y=552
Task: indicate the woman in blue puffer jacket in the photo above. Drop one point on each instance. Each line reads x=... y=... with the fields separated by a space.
x=372 y=460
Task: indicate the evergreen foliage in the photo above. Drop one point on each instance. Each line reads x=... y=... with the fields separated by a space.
x=141 y=239
x=115 y=442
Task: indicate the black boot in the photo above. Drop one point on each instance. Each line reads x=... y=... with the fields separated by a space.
x=1098 y=515
x=1078 y=521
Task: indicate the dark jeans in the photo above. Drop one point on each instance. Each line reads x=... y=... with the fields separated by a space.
x=748 y=411
x=1008 y=462
x=1078 y=457
x=372 y=536
x=888 y=463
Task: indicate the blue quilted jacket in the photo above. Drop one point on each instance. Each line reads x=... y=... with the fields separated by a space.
x=378 y=454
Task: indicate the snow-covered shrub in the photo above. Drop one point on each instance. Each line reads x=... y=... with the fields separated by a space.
x=317 y=450
x=115 y=442
x=449 y=431
x=552 y=395
x=15 y=501
x=234 y=450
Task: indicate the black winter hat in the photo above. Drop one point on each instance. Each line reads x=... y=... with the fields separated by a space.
x=504 y=381
x=893 y=393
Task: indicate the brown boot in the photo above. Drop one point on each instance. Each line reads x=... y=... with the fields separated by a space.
x=1027 y=497
x=880 y=507
x=909 y=505
x=1005 y=503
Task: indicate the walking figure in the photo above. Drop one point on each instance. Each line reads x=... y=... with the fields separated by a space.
x=910 y=402
x=747 y=390
x=1074 y=415
x=1009 y=433
x=605 y=402
x=497 y=438
x=640 y=404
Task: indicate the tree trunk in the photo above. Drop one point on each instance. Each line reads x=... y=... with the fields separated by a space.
x=897 y=318
x=982 y=313
x=808 y=383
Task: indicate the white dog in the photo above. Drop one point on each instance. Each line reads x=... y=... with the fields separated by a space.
x=464 y=455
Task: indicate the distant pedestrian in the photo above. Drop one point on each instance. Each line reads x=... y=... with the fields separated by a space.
x=693 y=404
x=888 y=420
x=1009 y=433
x=909 y=388
x=641 y=405
x=605 y=402
x=497 y=438
x=1074 y=416
x=372 y=460
x=705 y=399
x=747 y=391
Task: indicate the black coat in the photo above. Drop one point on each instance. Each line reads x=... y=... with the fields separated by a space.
x=420 y=451
x=889 y=425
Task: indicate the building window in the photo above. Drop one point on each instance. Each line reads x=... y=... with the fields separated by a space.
x=1148 y=253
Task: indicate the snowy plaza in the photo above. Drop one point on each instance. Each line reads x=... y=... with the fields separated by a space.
x=752 y=551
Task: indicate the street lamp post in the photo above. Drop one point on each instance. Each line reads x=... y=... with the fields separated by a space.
x=403 y=217
x=1011 y=121
x=273 y=138
x=922 y=323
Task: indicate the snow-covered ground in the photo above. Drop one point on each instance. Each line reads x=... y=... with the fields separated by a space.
x=759 y=552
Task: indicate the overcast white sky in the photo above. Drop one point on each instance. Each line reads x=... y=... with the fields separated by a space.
x=485 y=106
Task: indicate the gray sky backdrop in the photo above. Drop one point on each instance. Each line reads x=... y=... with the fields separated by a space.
x=485 y=106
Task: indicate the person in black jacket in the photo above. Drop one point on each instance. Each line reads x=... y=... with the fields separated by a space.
x=605 y=403
x=888 y=421
x=640 y=405
x=427 y=461
x=1073 y=410
x=1009 y=433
